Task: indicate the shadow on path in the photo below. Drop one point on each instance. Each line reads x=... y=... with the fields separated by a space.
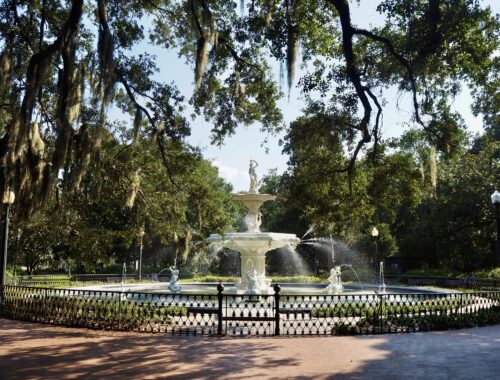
x=32 y=351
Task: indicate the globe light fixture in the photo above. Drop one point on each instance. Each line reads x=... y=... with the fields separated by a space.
x=375 y=242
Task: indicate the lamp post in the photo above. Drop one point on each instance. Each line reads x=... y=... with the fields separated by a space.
x=141 y=237
x=16 y=253
x=375 y=239
x=7 y=199
x=495 y=199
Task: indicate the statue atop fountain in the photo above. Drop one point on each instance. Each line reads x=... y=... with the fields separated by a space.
x=335 y=282
x=253 y=177
x=173 y=284
x=253 y=244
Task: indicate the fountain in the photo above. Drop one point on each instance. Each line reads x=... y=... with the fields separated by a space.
x=253 y=244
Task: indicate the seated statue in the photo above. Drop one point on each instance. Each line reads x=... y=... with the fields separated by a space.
x=253 y=281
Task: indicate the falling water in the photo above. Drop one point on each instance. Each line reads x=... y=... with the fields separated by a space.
x=124 y=273
x=381 y=278
x=298 y=262
x=332 y=250
x=355 y=274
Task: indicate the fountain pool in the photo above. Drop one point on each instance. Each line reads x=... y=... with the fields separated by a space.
x=287 y=289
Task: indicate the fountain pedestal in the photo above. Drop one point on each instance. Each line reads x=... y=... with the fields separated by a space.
x=253 y=247
x=253 y=244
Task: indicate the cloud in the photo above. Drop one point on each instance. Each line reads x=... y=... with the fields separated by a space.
x=227 y=172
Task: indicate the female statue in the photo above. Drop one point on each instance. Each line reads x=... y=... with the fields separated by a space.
x=253 y=176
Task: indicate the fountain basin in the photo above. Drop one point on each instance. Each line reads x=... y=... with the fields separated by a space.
x=287 y=289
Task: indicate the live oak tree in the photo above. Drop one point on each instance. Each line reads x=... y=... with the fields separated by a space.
x=63 y=65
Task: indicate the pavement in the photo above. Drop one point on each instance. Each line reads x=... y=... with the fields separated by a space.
x=34 y=351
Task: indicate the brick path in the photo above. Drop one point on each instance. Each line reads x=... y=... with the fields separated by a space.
x=32 y=351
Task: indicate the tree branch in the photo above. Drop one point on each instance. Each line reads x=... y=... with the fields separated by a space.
x=403 y=61
x=151 y=120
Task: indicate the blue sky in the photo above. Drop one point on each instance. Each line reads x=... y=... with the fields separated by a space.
x=233 y=157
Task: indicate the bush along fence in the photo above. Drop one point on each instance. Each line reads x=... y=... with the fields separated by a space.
x=230 y=314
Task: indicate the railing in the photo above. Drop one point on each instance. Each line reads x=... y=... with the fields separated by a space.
x=230 y=314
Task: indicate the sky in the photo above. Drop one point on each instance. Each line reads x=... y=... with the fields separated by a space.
x=232 y=158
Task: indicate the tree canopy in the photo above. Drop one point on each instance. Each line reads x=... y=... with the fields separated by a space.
x=65 y=64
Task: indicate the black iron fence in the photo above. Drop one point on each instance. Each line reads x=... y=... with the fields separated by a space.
x=231 y=314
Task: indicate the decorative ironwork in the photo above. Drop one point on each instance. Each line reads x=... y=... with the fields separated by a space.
x=230 y=314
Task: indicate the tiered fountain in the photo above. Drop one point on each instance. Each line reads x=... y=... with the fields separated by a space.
x=254 y=244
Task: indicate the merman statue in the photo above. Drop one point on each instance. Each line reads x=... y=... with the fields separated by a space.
x=173 y=284
x=335 y=281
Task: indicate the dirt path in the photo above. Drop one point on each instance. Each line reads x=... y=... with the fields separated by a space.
x=32 y=351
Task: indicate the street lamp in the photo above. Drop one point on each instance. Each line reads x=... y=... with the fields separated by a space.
x=495 y=199
x=16 y=253
x=7 y=199
x=375 y=238
x=141 y=236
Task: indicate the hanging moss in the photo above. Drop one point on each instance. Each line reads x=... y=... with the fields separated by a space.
x=84 y=143
x=433 y=167
x=135 y=184
x=292 y=40
x=237 y=86
x=422 y=171
x=268 y=12
x=5 y=72
x=105 y=52
x=282 y=74
x=201 y=61
x=137 y=126
x=291 y=55
x=187 y=245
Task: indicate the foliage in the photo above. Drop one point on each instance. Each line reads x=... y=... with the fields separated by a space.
x=433 y=215
x=51 y=306
x=432 y=272
x=455 y=227
x=488 y=273
x=297 y=279
x=209 y=278
x=89 y=229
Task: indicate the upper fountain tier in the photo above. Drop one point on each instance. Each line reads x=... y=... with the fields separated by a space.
x=253 y=201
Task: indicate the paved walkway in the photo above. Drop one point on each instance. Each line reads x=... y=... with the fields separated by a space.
x=32 y=351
